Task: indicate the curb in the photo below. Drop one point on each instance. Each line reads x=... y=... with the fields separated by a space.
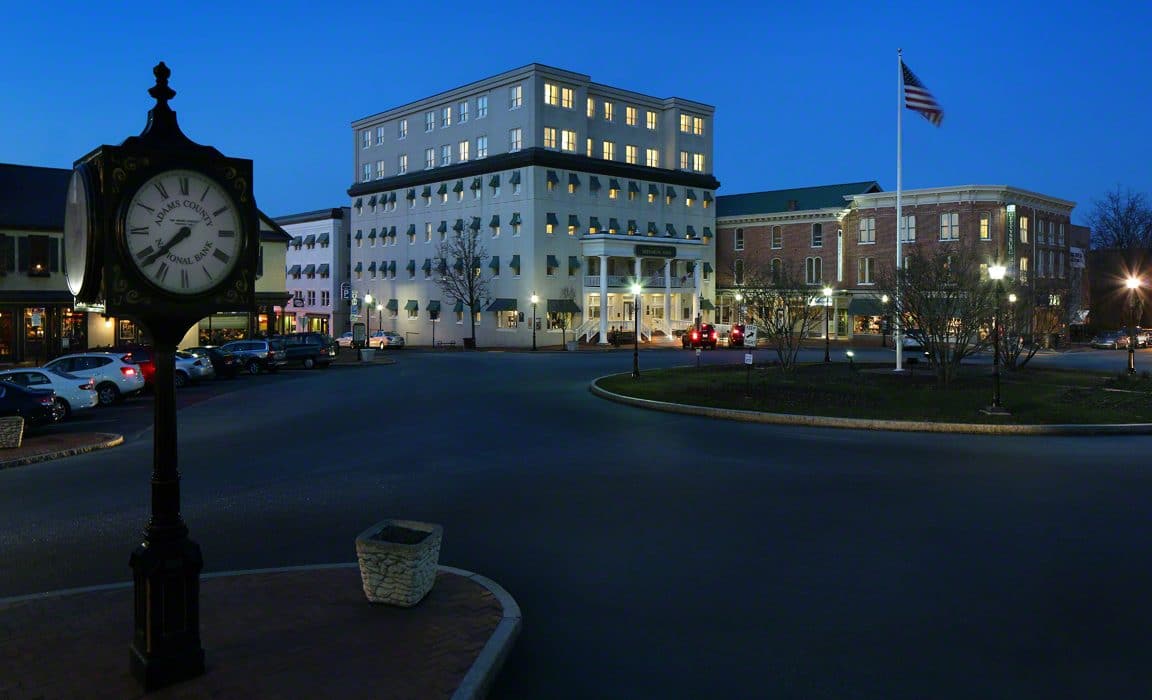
x=870 y=423
x=107 y=440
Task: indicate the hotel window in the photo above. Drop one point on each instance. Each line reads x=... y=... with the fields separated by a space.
x=445 y=117
x=412 y=233
x=633 y=190
x=689 y=198
x=552 y=94
x=325 y=298
x=402 y=129
x=698 y=162
x=985 y=226
x=311 y=298
x=481 y=106
x=631 y=116
x=949 y=226
x=651 y=194
x=446 y=154
x=367 y=175
x=613 y=190
x=685 y=124
x=1023 y=269
x=909 y=232
x=379 y=135
x=549 y=137
x=813 y=272
x=684 y=156
x=429 y=158
x=631 y=154
x=481 y=146
x=462 y=110
x=515 y=223
x=1023 y=229
x=550 y=223
x=864 y=270
x=402 y=164
x=867 y=230
x=609 y=150
x=777 y=238
x=698 y=126
x=652 y=157
x=817 y=235
x=588 y=146
x=514 y=140
x=515 y=97
x=366 y=138
x=463 y=148
x=650 y=120
x=568 y=140
x=609 y=112
x=591 y=112
x=429 y=121
x=443 y=192
x=738 y=241
x=516 y=182
x=428 y=232
x=567 y=98
x=379 y=170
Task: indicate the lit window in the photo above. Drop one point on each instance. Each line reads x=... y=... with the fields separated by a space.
x=867 y=230
x=985 y=226
x=652 y=157
x=515 y=97
x=445 y=117
x=481 y=106
x=429 y=121
x=609 y=150
x=462 y=110
x=631 y=154
x=549 y=137
x=568 y=140
x=1023 y=229
x=698 y=162
x=698 y=126
x=567 y=98
x=609 y=112
x=630 y=116
x=685 y=123
x=591 y=112
x=402 y=129
x=481 y=146
x=684 y=160
x=552 y=94
x=402 y=163
x=588 y=147
x=514 y=140
x=462 y=150
x=1023 y=269
x=650 y=120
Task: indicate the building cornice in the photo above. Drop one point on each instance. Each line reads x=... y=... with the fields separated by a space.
x=961 y=194
x=335 y=213
x=539 y=157
x=784 y=217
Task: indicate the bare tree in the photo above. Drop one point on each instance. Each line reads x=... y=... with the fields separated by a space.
x=1122 y=219
x=563 y=319
x=781 y=305
x=1022 y=322
x=464 y=280
x=946 y=299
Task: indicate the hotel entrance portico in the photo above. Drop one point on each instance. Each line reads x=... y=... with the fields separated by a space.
x=672 y=274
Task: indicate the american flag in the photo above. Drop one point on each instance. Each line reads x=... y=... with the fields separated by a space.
x=917 y=97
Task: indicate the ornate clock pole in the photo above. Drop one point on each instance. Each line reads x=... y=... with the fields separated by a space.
x=170 y=230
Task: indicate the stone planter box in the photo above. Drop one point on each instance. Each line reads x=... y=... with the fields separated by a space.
x=11 y=432
x=367 y=354
x=571 y=346
x=398 y=560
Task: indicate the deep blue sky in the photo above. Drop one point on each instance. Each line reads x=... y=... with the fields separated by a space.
x=1050 y=97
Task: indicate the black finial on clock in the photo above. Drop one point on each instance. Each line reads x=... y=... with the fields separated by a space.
x=162 y=130
x=160 y=90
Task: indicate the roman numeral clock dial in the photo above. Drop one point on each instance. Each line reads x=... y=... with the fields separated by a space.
x=180 y=229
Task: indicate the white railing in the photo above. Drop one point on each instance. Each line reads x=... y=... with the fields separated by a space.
x=588 y=329
x=654 y=283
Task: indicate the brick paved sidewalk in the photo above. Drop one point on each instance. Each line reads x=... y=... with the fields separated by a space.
x=297 y=633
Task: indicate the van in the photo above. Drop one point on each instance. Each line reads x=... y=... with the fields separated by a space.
x=309 y=349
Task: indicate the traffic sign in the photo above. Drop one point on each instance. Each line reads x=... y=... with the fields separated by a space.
x=346 y=290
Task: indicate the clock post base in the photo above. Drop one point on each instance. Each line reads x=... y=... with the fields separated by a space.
x=166 y=586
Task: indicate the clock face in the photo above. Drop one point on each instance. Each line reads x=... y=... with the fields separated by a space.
x=78 y=244
x=183 y=232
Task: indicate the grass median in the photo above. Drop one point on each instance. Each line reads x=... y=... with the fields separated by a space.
x=1032 y=396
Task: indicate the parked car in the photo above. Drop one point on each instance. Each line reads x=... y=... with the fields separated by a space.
x=309 y=349
x=702 y=336
x=1111 y=340
x=72 y=393
x=141 y=355
x=345 y=340
x=191 y=369
x=37 y=407
x=912 y=339
x=257 y=356
x=1141 y=336
x=386 y=339
x=115 y=379
x=224 y=364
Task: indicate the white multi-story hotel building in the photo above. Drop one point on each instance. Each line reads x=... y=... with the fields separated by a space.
x=317 y=267
x=577 y=189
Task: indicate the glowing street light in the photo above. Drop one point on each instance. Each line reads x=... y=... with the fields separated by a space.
x=636 y=289
x=1133 y=283
x=827 y=307
x=996 y=274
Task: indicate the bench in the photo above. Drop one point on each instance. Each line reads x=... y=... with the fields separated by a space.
x=446 y=343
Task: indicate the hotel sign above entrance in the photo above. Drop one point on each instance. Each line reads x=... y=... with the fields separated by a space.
x=655 y=251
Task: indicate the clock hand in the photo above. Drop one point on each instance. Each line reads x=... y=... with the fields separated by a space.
x=183 y=233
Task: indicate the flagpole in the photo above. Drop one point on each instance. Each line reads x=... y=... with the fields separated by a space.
x=896 y=302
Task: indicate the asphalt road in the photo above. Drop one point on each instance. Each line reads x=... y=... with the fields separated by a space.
x=654 y=555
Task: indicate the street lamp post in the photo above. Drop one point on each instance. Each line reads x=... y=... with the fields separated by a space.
x=1133 y=283
x=535 y=300
x=884 y=321
x=996 y=273
x=367 y=323
x=379 y=316
x=636 y=336
x=827 y=307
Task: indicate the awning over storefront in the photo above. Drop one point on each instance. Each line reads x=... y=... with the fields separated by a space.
x=562 y=306
x=865 y=306
x=502 y=305
x=707 y=305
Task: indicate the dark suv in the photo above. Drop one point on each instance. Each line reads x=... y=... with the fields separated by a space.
x=702 y=336
x=309 y=349
x=257 y=356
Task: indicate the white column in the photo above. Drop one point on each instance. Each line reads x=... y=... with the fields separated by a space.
x=668 y=299
x=637 y=299
x=603 y=300
x=697 y=278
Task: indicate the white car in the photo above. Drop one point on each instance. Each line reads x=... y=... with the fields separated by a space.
x=191 y=369
x=115 y=379
x=344 y=340
x=73 y=393
x=386 y=339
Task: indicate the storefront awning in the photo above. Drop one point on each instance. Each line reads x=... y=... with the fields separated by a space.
x=502 y=305
x=707 y=305
x=562 y=306
x=865 y=306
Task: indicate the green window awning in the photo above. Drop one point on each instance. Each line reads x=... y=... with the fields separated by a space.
x=691 y=230
x=553 y=262
x=515 y=263
x=426 y=192
x=653 y=190
x=372 y=201
x=359 y=202
x=459 y=186
x=443 y=228
x=412 y=305
x=442 y=266
x=372 y=266
x=494 y=263
x=593 y=183
x=458 y=265
x=323 y=269
x=392 y=305
x=573 y=264
x=359 y=234
x=310 y=240
x=427 y=266
x=670 y=191
x=476 y=264
x=632 y=227
x=613 y=184
x=359 y=267
x=298 y=241
x=391 y=232
x=707 y=196
x=458 y=307
x=442 y=189
x=562 y=306
x=411 y=266
x=411 y=229
x=391 y=197
x=865 y=306
x=310 y=269
x=670 y=230
x=593 y=224
x=434 y=306
x=613 y=225
x=494 y=181
x=323 y=238
x=372 y=235
x=502 y=305
x=689 y=194
x=707 y=268
x=411 y=194
x=458 y=226
x=392 y=267
x=633 y=187
x=294 y=270
x=552 y=177
x=515 y=179
x=707 y=232
x=495 y=222
x=574 y=220
x=475 y=225
x=515 y=220
x=551 y=219
x=652 y=227
x=707 y=305
x=573 y=179
x=477 y=183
